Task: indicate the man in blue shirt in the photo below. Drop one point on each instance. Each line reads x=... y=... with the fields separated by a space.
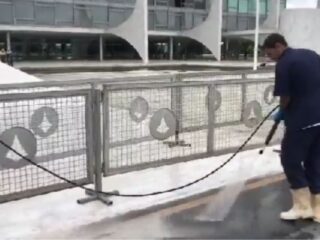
x=297 y=84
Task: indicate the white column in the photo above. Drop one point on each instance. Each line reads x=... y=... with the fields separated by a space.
x=8 y=42
x=101 y=47
x=278 y=6
x=256 y=36
x=171 y=48
x=145 y=55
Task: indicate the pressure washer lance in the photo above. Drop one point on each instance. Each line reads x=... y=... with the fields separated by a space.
x=270 y=136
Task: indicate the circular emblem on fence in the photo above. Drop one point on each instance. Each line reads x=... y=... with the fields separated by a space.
x=252 y=114
x=216 y=98
x=23 y=141
x=268 y=95
x=163 y=124
x=139 y=109
x=44 y=121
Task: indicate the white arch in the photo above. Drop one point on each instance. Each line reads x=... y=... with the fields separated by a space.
x=135 y=29
x=209 y=32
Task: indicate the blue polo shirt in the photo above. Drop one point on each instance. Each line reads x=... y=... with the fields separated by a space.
x=298 y=77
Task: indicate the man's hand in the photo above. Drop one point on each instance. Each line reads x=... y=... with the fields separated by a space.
x=278 y=116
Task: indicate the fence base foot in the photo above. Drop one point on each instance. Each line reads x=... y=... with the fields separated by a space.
x=180 y=143
x=92 y=196
x=277 y=151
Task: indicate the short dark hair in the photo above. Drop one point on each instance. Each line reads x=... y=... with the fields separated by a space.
x=273 y=39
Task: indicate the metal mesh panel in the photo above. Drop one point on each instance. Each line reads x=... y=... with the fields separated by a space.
x=230 y=108
x=243 y=106
x=145 y=128
x=51 y=131
x=194 y=107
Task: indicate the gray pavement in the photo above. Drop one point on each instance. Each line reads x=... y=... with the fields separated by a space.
x=255 y=215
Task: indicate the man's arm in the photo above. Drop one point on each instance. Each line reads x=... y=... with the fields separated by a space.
x=284 y=102
x=282 y=84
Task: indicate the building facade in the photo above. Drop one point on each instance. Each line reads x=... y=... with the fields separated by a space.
x=131 y=29
x=301 y=28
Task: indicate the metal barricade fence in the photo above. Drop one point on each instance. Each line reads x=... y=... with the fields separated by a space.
x=141 y=124
x=145 y=124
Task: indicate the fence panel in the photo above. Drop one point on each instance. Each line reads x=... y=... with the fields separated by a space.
x=54 y=130
x=145 y=125
x=240 y=107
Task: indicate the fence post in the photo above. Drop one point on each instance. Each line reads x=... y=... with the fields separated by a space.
x=211 y=119
x=96 y=137
x=244 y=96
x=106 y=131
x=176 y=107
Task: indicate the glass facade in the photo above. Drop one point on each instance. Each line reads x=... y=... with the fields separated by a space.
x=74 y=13
x=30 y=47
x=192 y=4
x=183 y=49
x=177 y=15
x=245 y=6
x=240 y=14
x=167 y=15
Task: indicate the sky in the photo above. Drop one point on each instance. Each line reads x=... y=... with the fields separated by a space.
x=301 y=3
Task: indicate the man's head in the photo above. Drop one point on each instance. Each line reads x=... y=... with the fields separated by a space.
x=274 y=46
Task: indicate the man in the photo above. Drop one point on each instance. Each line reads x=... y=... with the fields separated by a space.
x=297 y=84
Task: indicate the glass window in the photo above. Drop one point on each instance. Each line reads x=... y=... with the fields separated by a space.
x=24 y=11
x=232 y=24
x=263 y=7
x=251 y=6
x=6 y=12
x=243 y=6
x=233 y=5
x=64 y=13
x=242 y=23
x=44 y=13
x=225 y=6
x=283 y=4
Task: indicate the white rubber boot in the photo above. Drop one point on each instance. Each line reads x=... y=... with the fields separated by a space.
x=315 y=202
x=301 y=208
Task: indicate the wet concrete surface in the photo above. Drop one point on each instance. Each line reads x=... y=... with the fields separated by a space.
x=255 y=215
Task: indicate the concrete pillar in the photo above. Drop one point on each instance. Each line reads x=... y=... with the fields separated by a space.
x=101 y=47
x=171 y=48
x=145 y=55
x=8 y=36
x=137 y=36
